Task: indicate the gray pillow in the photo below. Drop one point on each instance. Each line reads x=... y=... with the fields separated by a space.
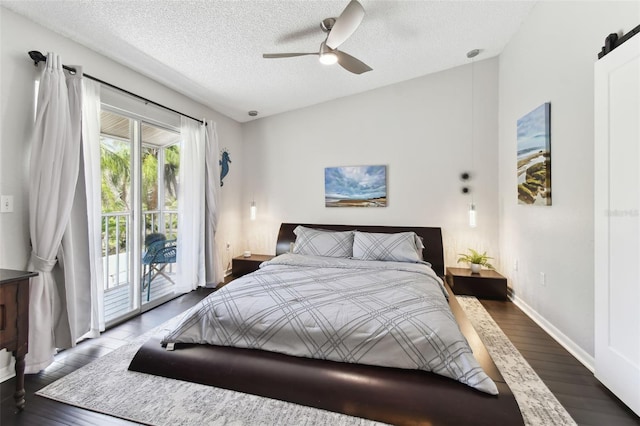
x=419 y=246
x=398 y=247
x=322 y=242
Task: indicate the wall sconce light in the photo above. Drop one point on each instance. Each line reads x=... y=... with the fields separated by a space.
x=464 y=177
x=252 y=211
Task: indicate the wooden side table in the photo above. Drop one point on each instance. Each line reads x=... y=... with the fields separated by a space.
x=14 y=322
x=244 y=265
x=488 y=284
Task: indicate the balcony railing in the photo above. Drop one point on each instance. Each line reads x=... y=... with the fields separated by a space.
x=165 y=221
x=116 y=241
x=116 y=246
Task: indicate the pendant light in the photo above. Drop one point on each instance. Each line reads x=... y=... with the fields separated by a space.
x=472 y=207
x=252 y=211
x=472 y=215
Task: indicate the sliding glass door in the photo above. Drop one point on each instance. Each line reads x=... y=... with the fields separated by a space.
x=139 y=165
x=159 y=211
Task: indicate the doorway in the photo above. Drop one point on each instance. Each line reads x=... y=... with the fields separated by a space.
x=140 y=163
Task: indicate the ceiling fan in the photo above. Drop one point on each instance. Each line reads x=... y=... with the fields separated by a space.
x=338 y=31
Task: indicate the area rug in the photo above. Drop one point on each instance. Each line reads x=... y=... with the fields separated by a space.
x=538 y=405
x=106 y=386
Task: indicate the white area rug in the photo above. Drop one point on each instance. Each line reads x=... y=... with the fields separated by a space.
x=106 y=386
x=538 y=405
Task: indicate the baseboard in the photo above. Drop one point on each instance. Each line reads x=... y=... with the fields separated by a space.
x=579 y=353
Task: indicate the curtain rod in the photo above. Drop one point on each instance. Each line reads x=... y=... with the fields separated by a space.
x=39 y=57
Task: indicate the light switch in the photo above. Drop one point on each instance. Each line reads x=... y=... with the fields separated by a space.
x=6 y=204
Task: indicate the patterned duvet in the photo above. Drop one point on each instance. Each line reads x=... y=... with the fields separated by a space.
x=389 y=314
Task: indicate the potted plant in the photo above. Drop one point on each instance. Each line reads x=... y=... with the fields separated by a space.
x=475 y=260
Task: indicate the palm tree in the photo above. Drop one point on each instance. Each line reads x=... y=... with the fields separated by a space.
x=171 y=170
x=115 y=163
x=149 y=178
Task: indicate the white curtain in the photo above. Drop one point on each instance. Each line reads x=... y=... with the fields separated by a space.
x=93 y=182
x=54 y=165
x=79 y=254
x=191 y=207
x=213 y=261
x=72 y=275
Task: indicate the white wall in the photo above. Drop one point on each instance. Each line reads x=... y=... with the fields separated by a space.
x=551 y=59
x=17 y=73
x=420 y=129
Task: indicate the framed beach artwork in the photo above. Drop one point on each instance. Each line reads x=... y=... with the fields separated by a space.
x=534 y=157
x=359 y=186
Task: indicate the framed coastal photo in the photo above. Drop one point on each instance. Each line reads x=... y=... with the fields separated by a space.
x=358 y=186
x=534 y=157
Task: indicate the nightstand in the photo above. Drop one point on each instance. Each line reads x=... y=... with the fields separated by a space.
x=488 y=284
x=244 y=265
x=14 y=322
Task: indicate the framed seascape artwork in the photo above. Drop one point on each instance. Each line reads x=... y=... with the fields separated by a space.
x=534 y=157
x=359 y=186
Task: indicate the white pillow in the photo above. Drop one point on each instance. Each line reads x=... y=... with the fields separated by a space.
x=399 y=247
x=322 y=242
x=419 y=246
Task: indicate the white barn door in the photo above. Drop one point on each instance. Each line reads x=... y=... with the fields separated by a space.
x=617 y=222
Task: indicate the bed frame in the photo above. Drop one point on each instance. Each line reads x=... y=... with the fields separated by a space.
x=431 y=238
x=396 y=396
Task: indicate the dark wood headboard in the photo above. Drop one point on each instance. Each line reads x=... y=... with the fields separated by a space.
x=432 y=238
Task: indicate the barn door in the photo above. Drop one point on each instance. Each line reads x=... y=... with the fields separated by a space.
x=617 y=222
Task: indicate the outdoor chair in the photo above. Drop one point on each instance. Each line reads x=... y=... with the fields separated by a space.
x=160 y=252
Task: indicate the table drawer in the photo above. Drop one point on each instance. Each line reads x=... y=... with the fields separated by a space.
x=8 y=315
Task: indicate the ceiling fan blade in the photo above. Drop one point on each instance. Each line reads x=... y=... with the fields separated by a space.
x=352 y=64
x=285 y=55
x=346 y=24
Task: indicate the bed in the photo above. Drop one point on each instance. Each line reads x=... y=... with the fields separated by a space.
x=401 y=395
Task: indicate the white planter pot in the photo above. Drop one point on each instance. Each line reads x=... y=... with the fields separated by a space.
x=475 y=268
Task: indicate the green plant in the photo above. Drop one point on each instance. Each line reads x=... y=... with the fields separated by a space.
x=475 y=257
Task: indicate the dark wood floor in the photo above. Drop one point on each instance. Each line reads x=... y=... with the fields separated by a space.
x=585 y=398
x=588 y=402
x=44 y=412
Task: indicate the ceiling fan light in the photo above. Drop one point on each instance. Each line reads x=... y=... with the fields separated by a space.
x=328 y=58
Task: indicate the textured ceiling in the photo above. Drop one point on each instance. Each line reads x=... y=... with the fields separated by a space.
x=211 y=51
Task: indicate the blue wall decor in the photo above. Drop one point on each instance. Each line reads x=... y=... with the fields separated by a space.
x=224 y=165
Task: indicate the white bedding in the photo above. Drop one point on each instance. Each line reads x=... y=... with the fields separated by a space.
x=389 y=314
